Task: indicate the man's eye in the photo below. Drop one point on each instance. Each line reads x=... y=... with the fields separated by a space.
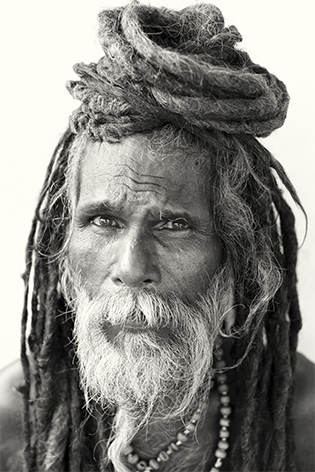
x=104 y=222
x=176 y=225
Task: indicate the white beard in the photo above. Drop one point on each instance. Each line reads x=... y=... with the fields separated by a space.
x=162 y=371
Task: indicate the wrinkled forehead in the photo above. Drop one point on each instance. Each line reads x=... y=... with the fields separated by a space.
x=145 y=155
x=176 y=156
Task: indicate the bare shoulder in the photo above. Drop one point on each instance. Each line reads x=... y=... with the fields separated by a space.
x=11 y=410
x=303 y=413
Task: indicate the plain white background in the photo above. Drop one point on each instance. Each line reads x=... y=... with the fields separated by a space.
x=41 y=40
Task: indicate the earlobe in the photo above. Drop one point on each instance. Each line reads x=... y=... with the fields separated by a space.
x=229 y=320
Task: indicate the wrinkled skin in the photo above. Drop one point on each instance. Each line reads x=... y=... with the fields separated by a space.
x=143 y=220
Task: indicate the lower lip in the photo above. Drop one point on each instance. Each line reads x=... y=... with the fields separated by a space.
x=135 y=327
x=113 y=331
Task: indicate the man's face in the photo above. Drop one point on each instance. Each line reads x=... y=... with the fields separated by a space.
x=143 y=220
x=148 y=299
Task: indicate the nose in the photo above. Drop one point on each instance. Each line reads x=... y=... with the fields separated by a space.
x=135 y=263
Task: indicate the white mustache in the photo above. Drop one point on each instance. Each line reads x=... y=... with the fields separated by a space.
x=145 y=308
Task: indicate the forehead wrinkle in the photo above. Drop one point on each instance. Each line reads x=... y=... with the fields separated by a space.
x=139 y=173
x=137 y=182
x=125 y=168
x=141 y=190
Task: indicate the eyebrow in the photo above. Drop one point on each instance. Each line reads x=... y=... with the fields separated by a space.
x=174 y=214
x=96 y=207
x=105 y=206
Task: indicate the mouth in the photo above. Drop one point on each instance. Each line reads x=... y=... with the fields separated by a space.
x=112 y=331
x=135 y=327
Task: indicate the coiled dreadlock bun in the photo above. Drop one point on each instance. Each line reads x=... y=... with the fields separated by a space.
x=164 y=66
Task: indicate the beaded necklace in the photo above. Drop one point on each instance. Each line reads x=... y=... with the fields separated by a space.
x=182 y=437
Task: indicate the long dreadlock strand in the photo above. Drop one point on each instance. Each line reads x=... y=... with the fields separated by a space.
x=35 y=262
x=293 y=315
x=24 y=357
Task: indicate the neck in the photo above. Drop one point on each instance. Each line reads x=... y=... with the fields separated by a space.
x=199 y=447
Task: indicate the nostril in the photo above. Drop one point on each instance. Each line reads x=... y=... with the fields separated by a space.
x=118 y=281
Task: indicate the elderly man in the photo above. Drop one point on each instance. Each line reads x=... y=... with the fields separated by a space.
x=161 y=308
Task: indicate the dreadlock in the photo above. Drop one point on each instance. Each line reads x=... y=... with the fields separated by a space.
x=179 y=72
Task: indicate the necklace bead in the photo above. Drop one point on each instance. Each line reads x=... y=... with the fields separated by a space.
x=225 y=422
x=142 y=465
x=220 y=453
x=218 y=463
x=220 y=364
x=132 y=458
x=174 y=447
x=128 y=450
x=223 y=445
x=225 y=399
x=153 y=464
x=163 y=456
x=222 y=377
x=182 y=437
x=223 y=388
x=226 y=410
x=190 y=428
